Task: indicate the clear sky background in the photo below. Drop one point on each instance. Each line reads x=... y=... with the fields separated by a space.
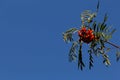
x=31 y=44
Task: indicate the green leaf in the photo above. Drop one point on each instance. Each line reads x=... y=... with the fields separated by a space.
x=103 y=35
x=112 y=31
x=108 y=49
x=107 y=37
x=67 y=36
x=105 y=18
x=90 y=60
x=98 y=27
x=80 y=62
x=103 y=26
x=106 y=60
x=98 y=5
x=72 y=53
x=71 y=30
x=94 y=25
x=102 y=43
x=117 y=55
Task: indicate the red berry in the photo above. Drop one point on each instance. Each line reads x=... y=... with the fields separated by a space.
x=86 y=35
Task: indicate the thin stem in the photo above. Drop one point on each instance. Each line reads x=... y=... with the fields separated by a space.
x=112 y=44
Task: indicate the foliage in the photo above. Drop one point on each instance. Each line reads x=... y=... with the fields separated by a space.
x=95 y=34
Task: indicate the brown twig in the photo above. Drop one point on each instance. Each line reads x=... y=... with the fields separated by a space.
x=113 y=44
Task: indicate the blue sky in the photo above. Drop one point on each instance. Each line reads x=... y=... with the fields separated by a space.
x=31 y=45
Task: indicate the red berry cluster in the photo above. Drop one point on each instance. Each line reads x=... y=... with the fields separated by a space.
x=86 y=35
